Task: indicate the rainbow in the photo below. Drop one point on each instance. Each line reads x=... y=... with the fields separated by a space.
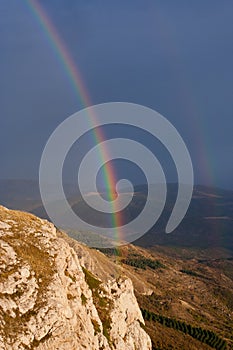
x=73 y=74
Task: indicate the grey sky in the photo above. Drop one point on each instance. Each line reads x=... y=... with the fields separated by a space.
x=173 y=56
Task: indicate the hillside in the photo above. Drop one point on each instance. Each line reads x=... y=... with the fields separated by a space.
x=183 y=282
x=50 y=300
x=207 y=225
x=196 y=292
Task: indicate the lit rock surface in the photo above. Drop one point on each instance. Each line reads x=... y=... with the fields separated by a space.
x=49 y=301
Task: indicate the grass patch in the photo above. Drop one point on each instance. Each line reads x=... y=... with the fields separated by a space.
x=102 y=303
x=92 y=282
x=84 y=299
x=143 y=263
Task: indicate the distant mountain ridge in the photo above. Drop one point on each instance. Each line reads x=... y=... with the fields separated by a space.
x=207 y=224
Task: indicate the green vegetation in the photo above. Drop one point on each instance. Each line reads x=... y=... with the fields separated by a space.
x=92 y=282
x=189 y=272
x=205 y=336
x=192 y=273
x=133 y=258
x=102 y=303
x=143 y=263
x=111 y=251
x=84 y=299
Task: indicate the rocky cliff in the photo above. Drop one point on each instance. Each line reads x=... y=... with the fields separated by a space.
x=50 y=300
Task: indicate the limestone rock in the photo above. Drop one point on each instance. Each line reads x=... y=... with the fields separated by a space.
x=48 y=300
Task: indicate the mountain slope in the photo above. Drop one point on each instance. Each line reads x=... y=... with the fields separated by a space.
x=195 y=291
x=48 y=300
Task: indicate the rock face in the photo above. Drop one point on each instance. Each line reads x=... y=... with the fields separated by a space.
x=48 y=300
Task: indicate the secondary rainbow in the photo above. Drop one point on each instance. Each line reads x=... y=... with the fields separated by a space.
x=69 y=66
x=184 y=92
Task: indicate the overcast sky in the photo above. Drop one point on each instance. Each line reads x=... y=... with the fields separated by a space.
x=173 y=56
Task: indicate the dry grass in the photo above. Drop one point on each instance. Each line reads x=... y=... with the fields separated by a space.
x=30 y=252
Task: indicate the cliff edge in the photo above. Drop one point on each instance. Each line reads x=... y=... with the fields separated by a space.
x=50 y=300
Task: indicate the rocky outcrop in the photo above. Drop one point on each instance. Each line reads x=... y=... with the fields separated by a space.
x=48 y=300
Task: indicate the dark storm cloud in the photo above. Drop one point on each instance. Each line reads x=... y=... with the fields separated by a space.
x=175 y=57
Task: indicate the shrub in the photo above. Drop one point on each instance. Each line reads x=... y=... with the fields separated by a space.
x=205 y=336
